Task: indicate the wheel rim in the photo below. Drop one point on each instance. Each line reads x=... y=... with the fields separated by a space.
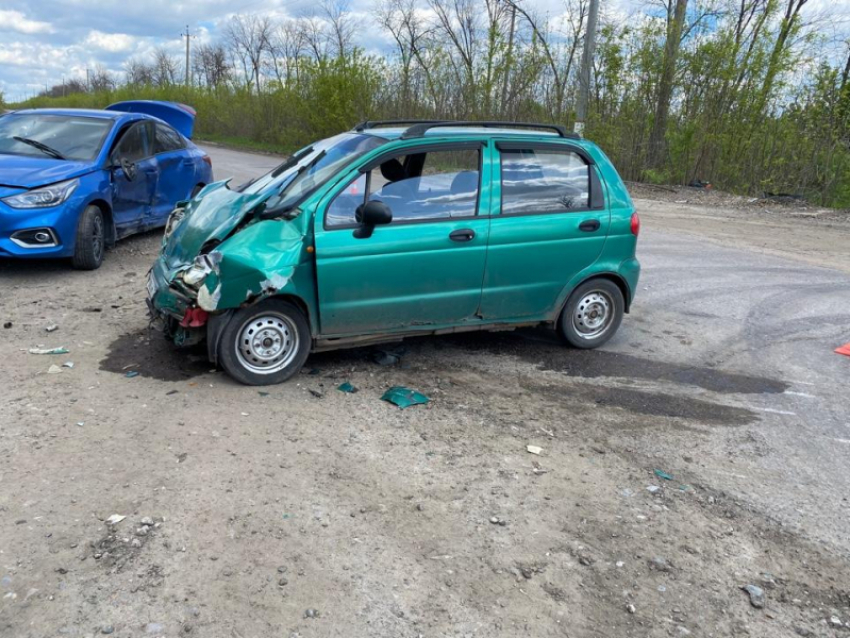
x=268 y=343
x=97 y=237
x=593 y=315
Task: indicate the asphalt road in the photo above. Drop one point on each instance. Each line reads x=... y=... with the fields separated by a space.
x=705 y=311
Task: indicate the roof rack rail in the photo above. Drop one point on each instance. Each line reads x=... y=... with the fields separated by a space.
x=367 y=124
x=419 y=129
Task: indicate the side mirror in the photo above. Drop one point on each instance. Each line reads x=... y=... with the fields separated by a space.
x=128 y=167
x=369 y=215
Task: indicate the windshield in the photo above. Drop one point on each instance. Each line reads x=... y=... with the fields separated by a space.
x=311 y=167
x=58 y=136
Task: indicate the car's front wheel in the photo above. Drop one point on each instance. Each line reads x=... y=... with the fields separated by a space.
x=91 y=240
x=592 y=315
x=266 y=343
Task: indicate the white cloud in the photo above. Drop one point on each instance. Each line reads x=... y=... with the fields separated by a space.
x=17 y=21
x=112 y=42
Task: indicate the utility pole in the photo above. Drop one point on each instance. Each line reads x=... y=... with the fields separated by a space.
x=188 y=77
x=87 y=78
x=586 y=64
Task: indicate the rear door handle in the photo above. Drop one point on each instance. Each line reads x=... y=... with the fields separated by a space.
x=464 y=234
x=590 y=225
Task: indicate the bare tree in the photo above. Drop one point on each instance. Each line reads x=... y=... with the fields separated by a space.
x=341 y=26
x=165 y=68
x=137 y=72
x=210 y=64
x=248 y=37
x=101 y=79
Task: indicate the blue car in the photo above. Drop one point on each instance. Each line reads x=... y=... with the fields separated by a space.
x=74 y=181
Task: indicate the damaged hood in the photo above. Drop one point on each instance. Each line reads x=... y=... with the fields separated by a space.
x=17 y=171
x=214 y=213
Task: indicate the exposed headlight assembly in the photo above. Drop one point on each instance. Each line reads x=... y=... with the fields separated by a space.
x=43 y=197
x=195 y=274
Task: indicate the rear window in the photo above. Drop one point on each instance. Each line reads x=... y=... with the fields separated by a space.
x=166 y=139
x=74 y=137
x=544 y=181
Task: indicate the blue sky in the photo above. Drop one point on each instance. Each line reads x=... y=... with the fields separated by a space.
x=43 y=40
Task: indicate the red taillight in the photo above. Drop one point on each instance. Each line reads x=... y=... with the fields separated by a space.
x=635 y=224
x=207 y=159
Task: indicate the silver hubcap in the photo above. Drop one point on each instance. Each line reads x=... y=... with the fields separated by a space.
x=593 y=315
x=267 y=343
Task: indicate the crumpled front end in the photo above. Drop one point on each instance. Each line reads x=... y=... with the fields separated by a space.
x=214 y=263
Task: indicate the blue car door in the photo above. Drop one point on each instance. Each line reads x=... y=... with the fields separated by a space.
x=134 y=179
x=177 y=171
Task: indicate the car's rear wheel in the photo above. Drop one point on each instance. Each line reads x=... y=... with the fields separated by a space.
x=266 y=343
x=91 y=240
x=592 y=315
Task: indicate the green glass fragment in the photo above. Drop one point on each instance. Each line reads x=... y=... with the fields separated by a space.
x=404 y=397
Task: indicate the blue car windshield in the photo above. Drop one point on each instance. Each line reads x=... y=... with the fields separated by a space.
x=71 y=137
x=311 y=167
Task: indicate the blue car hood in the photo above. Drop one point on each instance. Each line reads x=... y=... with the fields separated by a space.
x=18 y=171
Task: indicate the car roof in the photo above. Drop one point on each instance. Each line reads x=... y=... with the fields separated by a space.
x=395 y=132
x=98 y=113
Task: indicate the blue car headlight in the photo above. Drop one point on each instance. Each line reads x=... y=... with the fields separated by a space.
x=43 y=197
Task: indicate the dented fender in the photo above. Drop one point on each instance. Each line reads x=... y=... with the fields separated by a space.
x=256 y=263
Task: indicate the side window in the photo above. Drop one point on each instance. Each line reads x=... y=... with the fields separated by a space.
x=544 y=181
x=342 y=208
x=166 y=139
x=132 y=144
x=422 y=186
x=430 y=185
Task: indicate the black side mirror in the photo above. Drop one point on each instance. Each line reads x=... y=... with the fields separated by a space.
x=129 y=168
x=369 y=215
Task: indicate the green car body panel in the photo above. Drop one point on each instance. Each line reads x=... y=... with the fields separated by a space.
x=406 y=278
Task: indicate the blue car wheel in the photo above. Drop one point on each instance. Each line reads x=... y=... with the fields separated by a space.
x=91 y=240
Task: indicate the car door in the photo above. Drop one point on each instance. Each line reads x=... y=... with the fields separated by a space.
x=133 y=194
x=422 y=270
x=176 y=168
x=551 y=224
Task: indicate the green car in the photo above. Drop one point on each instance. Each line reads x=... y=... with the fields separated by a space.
x=397 y=229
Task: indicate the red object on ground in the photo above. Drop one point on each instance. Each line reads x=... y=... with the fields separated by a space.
x=845 y=349
x=194 y=318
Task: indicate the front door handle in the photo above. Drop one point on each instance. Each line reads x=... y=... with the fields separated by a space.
x=464 y=234
x=590 y=225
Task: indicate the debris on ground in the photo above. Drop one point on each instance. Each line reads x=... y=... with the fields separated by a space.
x=54 y=369
x=534 y=449
x=386 y=357
x=347 y=388
x=7 y=325
x=845 y=349
x=317 y=393
x=115 y=519
x=52 y=328
x=663 y=475
x=131 y=374
x=59 y=350
x=68 y=364
x=404 y=397
x=653 y=489
x=756 y=594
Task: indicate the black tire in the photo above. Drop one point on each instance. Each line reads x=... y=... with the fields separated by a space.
x=91 y=240
x=592 y=315
x=273 y=322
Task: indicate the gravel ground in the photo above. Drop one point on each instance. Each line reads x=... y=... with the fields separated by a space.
x=704 y=450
